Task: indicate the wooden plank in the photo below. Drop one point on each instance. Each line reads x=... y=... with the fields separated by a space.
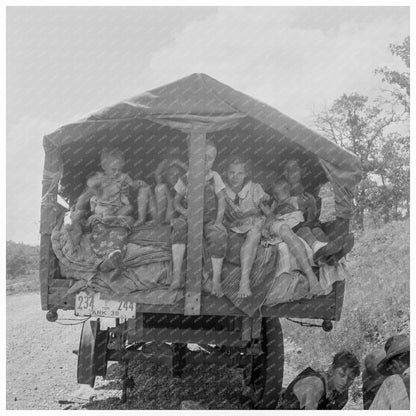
x=56 y=299
x=246 y=328
x=44 y=253
x=48 y=215
x=60 y=283
x=196 y=183
x=339 y=299
x=324 y=307
x=197 y=336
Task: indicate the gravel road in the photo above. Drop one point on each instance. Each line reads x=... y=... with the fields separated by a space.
x=41 y=368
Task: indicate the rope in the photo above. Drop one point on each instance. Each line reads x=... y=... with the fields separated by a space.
x=304 y=323
x=79 y=321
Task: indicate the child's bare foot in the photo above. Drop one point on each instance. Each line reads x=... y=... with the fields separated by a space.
x=178 y=281
x=244 y=292
x=217 y=289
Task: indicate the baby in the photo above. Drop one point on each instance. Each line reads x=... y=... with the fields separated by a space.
x=111 y=187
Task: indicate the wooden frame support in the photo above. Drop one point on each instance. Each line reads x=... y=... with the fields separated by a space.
x=196 y=184
x=48 y=217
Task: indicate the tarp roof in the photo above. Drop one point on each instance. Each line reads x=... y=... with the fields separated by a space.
x=199 y=101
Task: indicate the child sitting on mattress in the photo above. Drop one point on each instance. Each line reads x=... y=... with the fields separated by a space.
x=244 y=215
x=111 y=189
x=329 y=227
x=214 y=232
x=283 y=215
x=167 y=173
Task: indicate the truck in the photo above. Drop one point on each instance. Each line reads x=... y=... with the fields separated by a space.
x=185 y=113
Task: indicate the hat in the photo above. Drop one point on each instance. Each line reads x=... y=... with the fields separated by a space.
x=395 y=345
x=372 y=360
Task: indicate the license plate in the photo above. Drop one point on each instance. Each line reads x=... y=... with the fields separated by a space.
x=92 y=305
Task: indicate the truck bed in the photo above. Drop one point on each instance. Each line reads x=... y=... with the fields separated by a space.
x=327 y=307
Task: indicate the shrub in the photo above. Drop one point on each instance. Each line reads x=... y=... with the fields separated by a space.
x=21 y=259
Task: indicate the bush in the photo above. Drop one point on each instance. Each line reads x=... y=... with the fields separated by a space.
x=21 y=259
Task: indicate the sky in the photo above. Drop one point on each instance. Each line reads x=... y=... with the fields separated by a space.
x=65 y=62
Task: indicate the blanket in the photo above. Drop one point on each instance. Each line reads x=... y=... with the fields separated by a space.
x=144 y=267
x=275 y=278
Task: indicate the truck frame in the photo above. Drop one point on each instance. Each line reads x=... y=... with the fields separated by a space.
x=227 y=335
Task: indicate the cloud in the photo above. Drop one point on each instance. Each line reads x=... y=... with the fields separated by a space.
x=24 y=165
x=292 y=58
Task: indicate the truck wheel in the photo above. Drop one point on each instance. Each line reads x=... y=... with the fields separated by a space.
x=92 y=353
x=264 y=376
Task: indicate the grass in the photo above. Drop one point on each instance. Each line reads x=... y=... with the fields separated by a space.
x=376 y=301
x=23 y=284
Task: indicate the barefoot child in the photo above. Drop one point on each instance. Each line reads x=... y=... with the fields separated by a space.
x=169 y=170
x=214 y=232
x=282 y=216
x=111 y=187
x=329 y=227
x=243 y=211
x=110 y=190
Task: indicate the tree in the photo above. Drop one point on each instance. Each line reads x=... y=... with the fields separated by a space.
x=399 y=82
x=396 y=151
x=358 y=126
x=367 y=129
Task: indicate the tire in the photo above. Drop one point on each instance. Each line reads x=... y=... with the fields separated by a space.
x=92 y=353
x=264 y=375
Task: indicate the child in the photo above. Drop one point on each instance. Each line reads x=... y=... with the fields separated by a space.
x=166 y=175
x=328 y=390
x=111 y=188
x=329 y=228
x=214 y=232
x=282 y=216
x=244 y=213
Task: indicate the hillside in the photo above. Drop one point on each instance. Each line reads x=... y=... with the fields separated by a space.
x=376 y=301
x=22 y=267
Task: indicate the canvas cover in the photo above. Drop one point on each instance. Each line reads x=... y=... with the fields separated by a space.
x=143 y=125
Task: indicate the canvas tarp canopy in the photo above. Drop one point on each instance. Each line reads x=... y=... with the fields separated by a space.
x=144 y=125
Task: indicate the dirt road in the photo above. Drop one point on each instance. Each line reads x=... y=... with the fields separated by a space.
x=41 y=368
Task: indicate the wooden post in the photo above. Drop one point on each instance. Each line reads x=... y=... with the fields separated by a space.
x=48 y=216
x=196 y=183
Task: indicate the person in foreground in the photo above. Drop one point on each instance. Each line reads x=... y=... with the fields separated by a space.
x=372 y=379
x=327 y=390
x=394 y=393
